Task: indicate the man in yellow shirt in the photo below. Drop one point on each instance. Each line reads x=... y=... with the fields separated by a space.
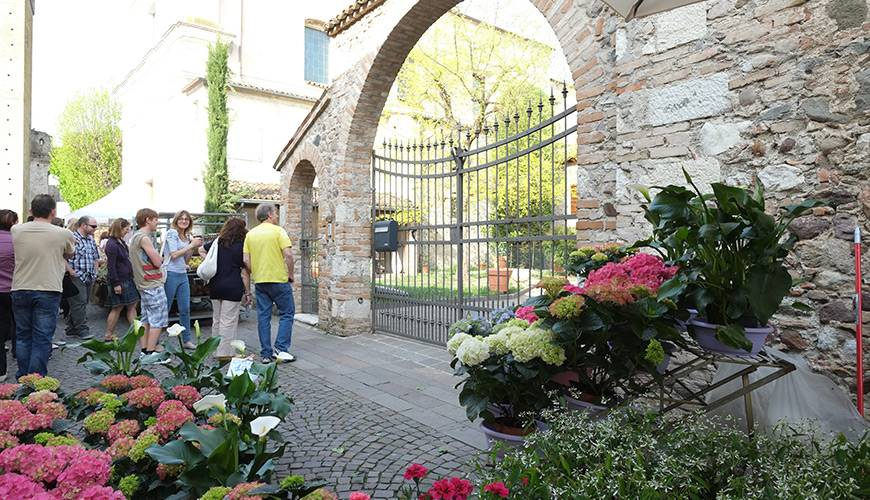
x=267 y=255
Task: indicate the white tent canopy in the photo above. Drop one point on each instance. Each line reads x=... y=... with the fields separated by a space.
x=124 y=201
x=630 y=9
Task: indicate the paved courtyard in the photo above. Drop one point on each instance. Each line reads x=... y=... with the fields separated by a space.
x=365 y=407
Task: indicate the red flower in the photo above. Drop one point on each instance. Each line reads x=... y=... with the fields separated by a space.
x=461 y=488
x=499 y=488
x=525 y=481
x=415 y=471
x=442 y=490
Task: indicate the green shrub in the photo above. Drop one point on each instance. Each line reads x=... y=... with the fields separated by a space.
x=641 y=456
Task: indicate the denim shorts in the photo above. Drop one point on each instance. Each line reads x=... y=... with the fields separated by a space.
x=155 y=312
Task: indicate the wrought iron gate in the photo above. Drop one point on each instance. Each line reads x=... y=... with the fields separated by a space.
x=482 y=216
x=308 y=247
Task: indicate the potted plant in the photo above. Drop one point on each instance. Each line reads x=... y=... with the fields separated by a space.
x=505 y=368
x=731 y=255
x=589 y=258
x=611 y=328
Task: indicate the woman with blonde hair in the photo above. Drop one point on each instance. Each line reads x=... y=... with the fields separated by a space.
x=119 y=274
x=178 y=247
x=230 y=285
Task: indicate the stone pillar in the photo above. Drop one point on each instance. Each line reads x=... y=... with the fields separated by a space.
x=16 y=44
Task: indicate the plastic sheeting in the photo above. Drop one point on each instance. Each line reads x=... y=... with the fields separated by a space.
x=793 y=398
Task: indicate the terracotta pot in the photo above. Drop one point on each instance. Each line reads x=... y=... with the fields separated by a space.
x=499 y=279
x=565 y=378
x=425 y=269
x=705 y=334
x=502 y=262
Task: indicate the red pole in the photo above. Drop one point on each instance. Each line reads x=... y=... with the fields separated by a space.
x=859 y=320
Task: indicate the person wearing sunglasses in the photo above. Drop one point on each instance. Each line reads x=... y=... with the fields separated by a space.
x=82 y=268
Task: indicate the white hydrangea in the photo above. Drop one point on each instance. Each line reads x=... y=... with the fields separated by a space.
x=498 y=343
x=455 y=341
x=535 y=343
x=472 y=351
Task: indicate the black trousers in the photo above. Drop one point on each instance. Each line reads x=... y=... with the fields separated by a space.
x=7 y=328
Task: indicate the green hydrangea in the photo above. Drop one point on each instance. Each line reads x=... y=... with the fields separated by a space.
x=568 y=307
x=585 y=251
x=498 y=343
x=655 y=353
x=216 y=493
x=552 y=285
x=112 y=405
x=99 y=422
x=113 y=475
x=519 y=323
x=137 y=452
x=472 y=351
x=599 y=257
x=290 y=481
x=47 y=384
x=129 y=485
x=42 y=438
x=150 y=421
x=536 y=343
x=48 y=439
x=456 y=341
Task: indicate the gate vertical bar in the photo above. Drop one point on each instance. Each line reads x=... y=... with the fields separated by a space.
x=457 y=236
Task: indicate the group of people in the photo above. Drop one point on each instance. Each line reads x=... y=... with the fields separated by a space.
x=41 y=262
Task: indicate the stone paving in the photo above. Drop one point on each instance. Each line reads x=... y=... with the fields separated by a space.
x=365 y=407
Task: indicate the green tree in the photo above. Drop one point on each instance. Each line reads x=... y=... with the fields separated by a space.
x=86 y=154
x=217 y=174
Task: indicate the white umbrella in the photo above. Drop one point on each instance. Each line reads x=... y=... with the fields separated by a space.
x=629 y=9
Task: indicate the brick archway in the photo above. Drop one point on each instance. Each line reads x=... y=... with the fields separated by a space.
x=343 y=123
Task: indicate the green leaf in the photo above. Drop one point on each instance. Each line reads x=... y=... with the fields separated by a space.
x=97 y=367
x=174 y=453
x=767 y=288
x=800 y=306
x=240 y=387
x=209 y=439
x=733 y=336
x=281 y=405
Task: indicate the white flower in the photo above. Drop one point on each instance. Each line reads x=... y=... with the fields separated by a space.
x=472 y=351
x=455 y=341
x=175 y=330
x=218 y=401
x=262 y=425
x=536 y=343
x=239 y=345
x=498 y=343
x=137 y=325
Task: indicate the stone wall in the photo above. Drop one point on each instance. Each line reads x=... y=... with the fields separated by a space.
x=729 y=89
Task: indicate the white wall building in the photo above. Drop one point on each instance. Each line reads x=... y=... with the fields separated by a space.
x=279 y=67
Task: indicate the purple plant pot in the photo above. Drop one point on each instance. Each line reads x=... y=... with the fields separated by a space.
x=493 y=436
x=705 y=334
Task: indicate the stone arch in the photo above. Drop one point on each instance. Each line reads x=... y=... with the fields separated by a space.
x=343 y=124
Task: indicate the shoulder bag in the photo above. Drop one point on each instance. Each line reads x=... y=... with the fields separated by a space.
x=208 y=267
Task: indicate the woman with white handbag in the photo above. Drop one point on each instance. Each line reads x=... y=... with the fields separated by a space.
x=229 y=283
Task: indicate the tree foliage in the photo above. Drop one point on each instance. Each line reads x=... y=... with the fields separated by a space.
x=467 y=73
x=217 y=173
x=86 y=154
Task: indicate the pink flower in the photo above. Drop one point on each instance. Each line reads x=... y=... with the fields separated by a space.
x=140 y=381
x=186 y=394
x=618 y=292
x=100 y=493
x=572 y=289
x=90 y=468
x=10 y=411
x=170 y=421
x=14 y=485
x=442 y=490
x=609 y=273
x=461 y=488
x=149 y=396
x=526 y=314
x=359 y=495
x=54 y=410
x=497 y=488
x=648 y=270
x=29 y=422
x=7 y=390
x=116 y=383
x=415 y=471
x=164 y=471
x=241 y=491
x=124 y=428
x=170 y=405
x=7 y=440
x=121 y=447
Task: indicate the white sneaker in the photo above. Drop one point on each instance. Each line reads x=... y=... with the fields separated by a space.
x=285 y=356
x=59 y=342
x=54 y=345
x=2 y=378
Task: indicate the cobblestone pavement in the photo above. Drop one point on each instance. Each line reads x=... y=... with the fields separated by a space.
x=365 y=407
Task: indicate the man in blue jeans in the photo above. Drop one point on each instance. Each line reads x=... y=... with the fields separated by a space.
x=37 y=281
x=267 y=255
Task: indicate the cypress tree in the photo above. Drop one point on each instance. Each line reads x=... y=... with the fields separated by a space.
x=217 y=174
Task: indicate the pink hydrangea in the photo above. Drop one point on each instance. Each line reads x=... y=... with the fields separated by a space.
x=121 y=447
x=186 y=394
x=7 y=440
x=170 y=421
x=10 y=411
x=164 y=471
x=90 y=468
x=116 y=383
x=29 y=422
x=648 y=270
x=14 y=485
x=526 y=313
x=30 y=379
x=55 y=411
x=572 y=289
x=124 y=428
x=99 y=493
x=38 y=398
x=149 y=396
x=241 y=491
x=617 y=291
x=7 y=390
x=140 y=381
x=35 y=461
x=169 y=405
x=610 y=272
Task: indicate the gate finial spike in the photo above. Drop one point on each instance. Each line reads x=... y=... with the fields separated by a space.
x=552 y=98
x=529 y=110
x=540 y=105
x=516 y=114
x=564 y=91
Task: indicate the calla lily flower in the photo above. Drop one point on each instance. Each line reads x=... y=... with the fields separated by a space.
x=239 y=345
x=175 y=330
x=137 y=325
x=218 y=401
x=262 y=425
